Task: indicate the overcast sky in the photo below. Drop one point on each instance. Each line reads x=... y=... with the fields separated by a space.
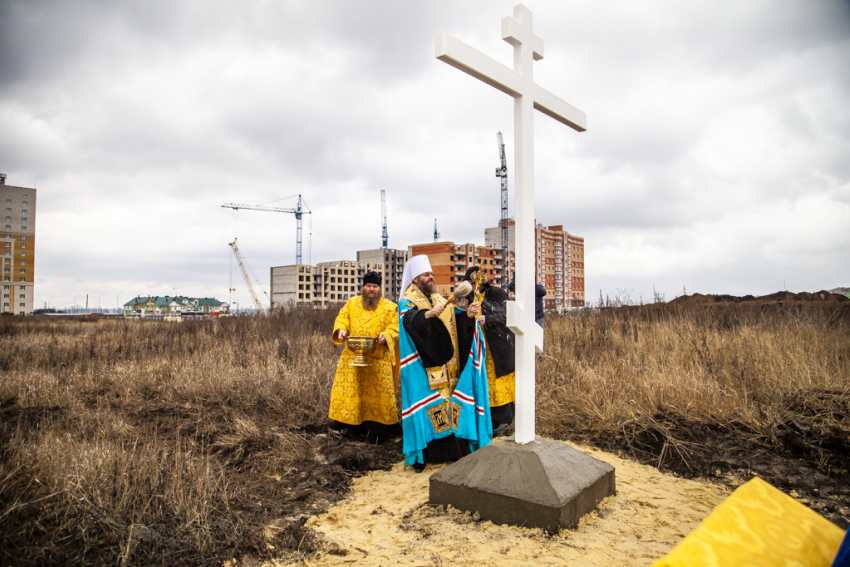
x=716 y=160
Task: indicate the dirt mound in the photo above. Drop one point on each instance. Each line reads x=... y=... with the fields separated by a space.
x=778 y=297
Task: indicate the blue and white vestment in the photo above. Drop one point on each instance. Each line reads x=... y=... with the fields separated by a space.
x=431 y=412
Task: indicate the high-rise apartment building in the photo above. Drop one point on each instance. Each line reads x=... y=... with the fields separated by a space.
x=449 y=261
x=575 y=271
x=559 y=262
x=560 y=266
x=387 y=262
x=18 y=257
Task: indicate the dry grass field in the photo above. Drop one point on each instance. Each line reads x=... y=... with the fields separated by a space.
x=127 y=442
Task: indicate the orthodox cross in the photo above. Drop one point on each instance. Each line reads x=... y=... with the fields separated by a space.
x=519 y=83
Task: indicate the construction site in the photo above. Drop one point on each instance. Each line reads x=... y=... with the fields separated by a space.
x=559 y=261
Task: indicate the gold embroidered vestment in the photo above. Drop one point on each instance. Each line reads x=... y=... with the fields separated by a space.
x=366 y=393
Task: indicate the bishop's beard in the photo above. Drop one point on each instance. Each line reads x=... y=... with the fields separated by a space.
x=428 y=289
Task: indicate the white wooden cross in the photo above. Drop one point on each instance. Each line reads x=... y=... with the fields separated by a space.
x=519 y=83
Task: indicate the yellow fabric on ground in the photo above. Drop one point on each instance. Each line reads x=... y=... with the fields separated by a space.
x=366 y=393
x=758 y=526
x=502 y=388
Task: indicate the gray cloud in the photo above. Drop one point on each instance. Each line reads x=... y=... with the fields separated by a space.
x=715 y=156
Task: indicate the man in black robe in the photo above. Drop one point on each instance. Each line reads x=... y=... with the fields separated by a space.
x=501 y=350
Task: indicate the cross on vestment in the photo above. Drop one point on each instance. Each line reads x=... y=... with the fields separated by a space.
x=519 y=83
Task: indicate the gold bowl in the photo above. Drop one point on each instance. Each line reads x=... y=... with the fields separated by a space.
x=361 y=347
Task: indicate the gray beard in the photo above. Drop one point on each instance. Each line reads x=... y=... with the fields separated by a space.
x=370 y=302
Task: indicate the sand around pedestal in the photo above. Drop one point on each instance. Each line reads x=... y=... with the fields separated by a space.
x=386 y=521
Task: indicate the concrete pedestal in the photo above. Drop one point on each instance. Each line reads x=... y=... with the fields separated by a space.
x=542 y=484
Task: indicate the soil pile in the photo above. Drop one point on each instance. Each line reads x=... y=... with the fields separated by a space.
x=779 y=297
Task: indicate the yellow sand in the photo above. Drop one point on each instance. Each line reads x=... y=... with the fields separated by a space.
x=385 y=521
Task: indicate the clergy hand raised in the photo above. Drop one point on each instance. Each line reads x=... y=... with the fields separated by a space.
x=436 y=311
x=472 y=311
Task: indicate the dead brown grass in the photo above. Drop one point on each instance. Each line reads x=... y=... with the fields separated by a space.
x=724 y=390
x=718 y=364
x=120 y=439
x=152 y=443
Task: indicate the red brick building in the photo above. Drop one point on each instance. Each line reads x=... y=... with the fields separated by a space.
x=450 y=262
x=559 y=262
x=560 y=266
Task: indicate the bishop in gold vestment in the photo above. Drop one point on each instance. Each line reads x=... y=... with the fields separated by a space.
x=363 y=399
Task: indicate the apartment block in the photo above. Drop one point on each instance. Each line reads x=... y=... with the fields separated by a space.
x=334 y=283
x=560 y=266
x=559 y=262
x=18 y=257
x=493 y=236
x=387 y=262
x=449 y=261
x=575 y=273
x=292 y=284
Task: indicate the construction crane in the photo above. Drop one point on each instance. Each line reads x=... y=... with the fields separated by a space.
x=502 y=172
x=436 y=234
x=298 y=211
x=384 y=236
x=244 y=270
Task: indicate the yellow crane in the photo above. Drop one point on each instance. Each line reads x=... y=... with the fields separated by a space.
x=244 y=271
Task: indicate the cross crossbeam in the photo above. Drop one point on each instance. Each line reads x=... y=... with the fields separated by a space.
x=472 y=62
x=528 y=96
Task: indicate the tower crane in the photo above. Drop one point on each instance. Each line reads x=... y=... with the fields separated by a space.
x=502 y=172
x=244 y=271
x=298 y=211
x=384 y=236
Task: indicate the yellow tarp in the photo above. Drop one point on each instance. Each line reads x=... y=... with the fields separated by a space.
x=758 y=526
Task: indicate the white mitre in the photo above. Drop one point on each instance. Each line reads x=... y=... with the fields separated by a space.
x=416 y=266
